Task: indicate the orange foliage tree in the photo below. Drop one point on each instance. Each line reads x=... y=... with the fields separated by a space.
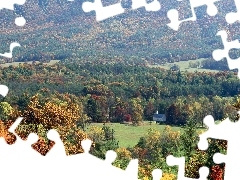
x=64 y=116
x=9 y=137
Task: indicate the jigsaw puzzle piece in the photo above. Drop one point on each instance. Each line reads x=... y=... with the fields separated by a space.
x=157 y=174
x=231 y=159
x=234 y=16
x=173 y=14
x=12 y=46
x=101 y=167
x=18 y=153
x=3 y=90
x=132 y=169
x=21 y=147
x=234 y=53
x=219 y=158
x=215 y=131
x=9 y=4
x=102 y=12
x=58 y=150
x=224 y=53
x=152 y=6
x=180 y=162
x=110 y=156
x=232 y=165
x=20 y=21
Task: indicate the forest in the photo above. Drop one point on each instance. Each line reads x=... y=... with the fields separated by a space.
x=69 y=96
x=101 y=87
x=103 y=78
x=60 y=30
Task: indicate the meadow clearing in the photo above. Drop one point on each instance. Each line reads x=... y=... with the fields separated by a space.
x=29 y=62
x=129 y=135
x=184 y=66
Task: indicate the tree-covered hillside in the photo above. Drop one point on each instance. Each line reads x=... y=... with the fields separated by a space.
x=68 y=96
x=105 y=87
x=61 y=30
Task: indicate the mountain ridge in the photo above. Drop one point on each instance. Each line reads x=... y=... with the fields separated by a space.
x=61 y=30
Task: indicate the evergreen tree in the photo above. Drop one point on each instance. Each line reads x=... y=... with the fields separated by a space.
x=189 y=138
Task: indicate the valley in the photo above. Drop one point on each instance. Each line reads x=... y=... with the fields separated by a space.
x=106 y=80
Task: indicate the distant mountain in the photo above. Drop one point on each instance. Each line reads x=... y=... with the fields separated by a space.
x=59 y=29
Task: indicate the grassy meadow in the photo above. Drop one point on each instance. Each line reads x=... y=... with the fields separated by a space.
x=184 y=66
x=29 y=62
x=128 y=135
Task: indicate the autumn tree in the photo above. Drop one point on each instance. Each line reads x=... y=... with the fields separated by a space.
x=136 y=111
x=149 y=110
x=9 y=137
x=119 y=110
x=104 y=140
x=97 y=108
x=99 y=90
x=41 y=117
x=172 y=114
x=218 y=106
x=236 y=110
x=230 y=111
x=5 y=110
x=207 y=106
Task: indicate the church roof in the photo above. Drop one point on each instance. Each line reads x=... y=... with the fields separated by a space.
x=159 y=115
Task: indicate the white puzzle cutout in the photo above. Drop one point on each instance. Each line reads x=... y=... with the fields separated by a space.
x=103 y=13
x=219 y=54
x=12 y=46
x=234 y=16
x=226 y=130
x=173 y=14
x=25 y=162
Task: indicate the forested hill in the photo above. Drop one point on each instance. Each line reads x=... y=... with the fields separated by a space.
x=156 y=89
x=59 y=29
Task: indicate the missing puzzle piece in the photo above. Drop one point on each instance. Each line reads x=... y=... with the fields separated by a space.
x=173 y=14
x=180 y=162
x=219 y=54
x=3 y=90
x=157 y=174
x=21 y=147
x=19 y=21
x=103 y=169
x=9 y=4
x=58 y=150
x=17 y=154
x=102 y=12
x=234 y=16
x=218 y=131
x=12 y=46
x=152 y=6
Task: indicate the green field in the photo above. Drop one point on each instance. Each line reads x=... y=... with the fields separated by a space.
x=129 y=135
x=184 y=66
x=29 y=62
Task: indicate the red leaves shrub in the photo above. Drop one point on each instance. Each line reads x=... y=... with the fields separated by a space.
x=217 y=172
x=128 y=118
x=42 y=146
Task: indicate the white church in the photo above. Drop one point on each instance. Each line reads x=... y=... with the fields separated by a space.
x=159 y=117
